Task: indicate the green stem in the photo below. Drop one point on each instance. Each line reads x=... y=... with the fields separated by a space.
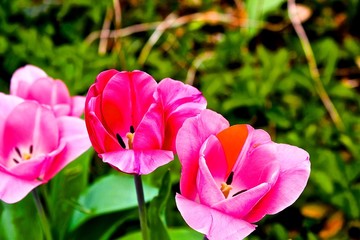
x=142 y=208
x=43 y=219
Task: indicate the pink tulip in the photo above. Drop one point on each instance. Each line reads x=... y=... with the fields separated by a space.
x=133 y=121
x=32 y=83
x=233 y=176
x=35 y=145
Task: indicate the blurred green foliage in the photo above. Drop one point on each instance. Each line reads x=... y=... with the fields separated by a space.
x=246 y=59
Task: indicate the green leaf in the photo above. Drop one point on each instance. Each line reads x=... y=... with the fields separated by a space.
x=175 y=234
x=65 y=190
x=20 y=220
x=109 y=194
x=156 y=212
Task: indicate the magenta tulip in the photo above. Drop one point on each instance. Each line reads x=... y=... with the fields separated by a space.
x=32 y=83
x=133 y=121
x=35 y=145
x=233 y=176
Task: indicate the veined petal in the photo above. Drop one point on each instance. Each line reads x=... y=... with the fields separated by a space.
x=38 y=130
x=23 y=78
x=213 y=223
x=188 y=143
x=180 y=101
x=258 y=167
x=137 y=161
x=125 y=100
x=293 y=176
x=150 y=132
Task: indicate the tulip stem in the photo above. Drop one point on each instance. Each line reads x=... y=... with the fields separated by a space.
x=142 y=207
x=43 y=219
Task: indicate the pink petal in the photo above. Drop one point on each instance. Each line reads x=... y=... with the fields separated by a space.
x=208 y=190
x=103 y=78
x=180 y=101
x=137 y=161
x=257 y=167
x=78 y=105
x=215 y=158
x=294 y=173
x=101 y=140
x=125 y=100
x=23 y=78
x=214 y=224
x=48 y=91
x=188 y=143
x=13 y=189
x=150 y=132
x=7 y=104
x=243 y=203
x=39 y=129
x=75 y=141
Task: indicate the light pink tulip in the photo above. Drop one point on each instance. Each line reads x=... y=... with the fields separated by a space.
x=32 y=83
x=35 y=145
x=233 y=176
x=133 y=121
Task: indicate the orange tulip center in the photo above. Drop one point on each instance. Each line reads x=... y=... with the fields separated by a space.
x=232 y=140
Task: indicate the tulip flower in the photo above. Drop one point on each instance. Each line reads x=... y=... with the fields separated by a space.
x=233 y=176
x=35 y=145
x=32 y=83
x=133 y=121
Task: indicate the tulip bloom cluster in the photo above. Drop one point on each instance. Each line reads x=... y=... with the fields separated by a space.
x=39 y=134
x=232 y=176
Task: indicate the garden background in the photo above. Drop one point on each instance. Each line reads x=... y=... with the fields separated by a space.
x=252 y=63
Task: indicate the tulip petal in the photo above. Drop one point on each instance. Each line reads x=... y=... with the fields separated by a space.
x=49 y=92
x=125 y=100
x=293 y=176
x=150 y=132
x=13 y=189
x=180 y=101
x=188 y=143
x=101 y=140
x=208 y=190
x=137 y=161
x=259 y=166
x=75 y=141
x=38 y=131
x=214 y=224
x=215 y=158
x=243 y=203
x=7 y=104
x=78 y=105
x=23 y=78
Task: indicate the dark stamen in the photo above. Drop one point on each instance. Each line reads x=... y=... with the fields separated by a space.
x=132 y=130
x=230 y=178
x=18 y=151
x=15 y=160
x=121 y=141
x=31 y=149
x=239 y=192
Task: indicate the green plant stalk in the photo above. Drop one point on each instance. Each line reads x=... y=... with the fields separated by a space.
x=314 y=72
x=43 y=219
x=142 y=207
